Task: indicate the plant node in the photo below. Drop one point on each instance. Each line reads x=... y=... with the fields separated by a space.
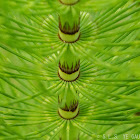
x=69 y=38
x=67 y=73
x=69 y=113
x=69 y=2
x=68 y=103
x=69 y=65
x=69 y=25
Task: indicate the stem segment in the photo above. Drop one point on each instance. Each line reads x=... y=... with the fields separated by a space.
x=69 y=24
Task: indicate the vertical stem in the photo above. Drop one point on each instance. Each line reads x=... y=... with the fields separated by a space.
x=69 y=66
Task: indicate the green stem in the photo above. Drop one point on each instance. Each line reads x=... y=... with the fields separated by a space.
x=68 y=104
x=69 y=66
x=69 y=71
x=69 y=24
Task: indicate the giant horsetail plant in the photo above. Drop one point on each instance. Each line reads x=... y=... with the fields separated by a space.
x=69 y=69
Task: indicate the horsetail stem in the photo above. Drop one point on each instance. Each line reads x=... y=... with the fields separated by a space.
x=69 y=24
x=69 y=63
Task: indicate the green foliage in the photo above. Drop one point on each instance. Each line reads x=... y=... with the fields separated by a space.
x=109 y=82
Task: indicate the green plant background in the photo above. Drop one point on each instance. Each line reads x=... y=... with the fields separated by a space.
x=109 y=82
